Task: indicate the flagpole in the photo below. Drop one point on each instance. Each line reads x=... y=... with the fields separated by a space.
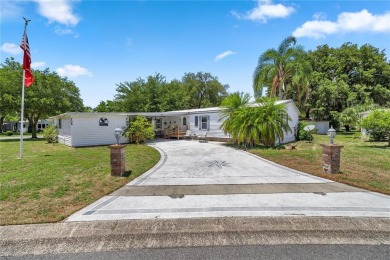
x=21 y=118
x=22 y=107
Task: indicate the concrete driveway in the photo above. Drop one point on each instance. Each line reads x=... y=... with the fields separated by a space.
x=196 y=179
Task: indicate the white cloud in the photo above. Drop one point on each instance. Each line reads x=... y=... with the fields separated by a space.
x=38 y=64
x=73 y=71
x=11 y=48
x=66 y=31
x=10 y=9
x=266 y=10
x=223 y=55
x=59 y=11
x=319 y=16
x=362 y=21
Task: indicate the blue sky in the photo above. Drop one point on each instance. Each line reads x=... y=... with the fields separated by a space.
x=98 y=44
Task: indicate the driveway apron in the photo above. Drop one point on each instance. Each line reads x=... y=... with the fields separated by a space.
x=195 y=179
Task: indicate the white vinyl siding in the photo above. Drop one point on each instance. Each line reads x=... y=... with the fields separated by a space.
x=87 y=132
x=65 y=132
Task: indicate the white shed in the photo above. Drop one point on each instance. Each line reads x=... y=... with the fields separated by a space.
x=321 y=126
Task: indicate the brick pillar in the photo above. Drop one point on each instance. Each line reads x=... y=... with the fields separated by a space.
x=331 y=157
x=117 y=155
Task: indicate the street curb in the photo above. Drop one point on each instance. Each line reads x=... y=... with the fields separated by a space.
x=98 y=236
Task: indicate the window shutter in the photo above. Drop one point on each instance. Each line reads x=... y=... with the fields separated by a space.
x=208 y=123
x=200 y=122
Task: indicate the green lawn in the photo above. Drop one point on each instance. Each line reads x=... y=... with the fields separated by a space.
x=363 y=164
x=53 y=181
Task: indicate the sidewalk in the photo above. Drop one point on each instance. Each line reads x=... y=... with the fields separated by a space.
x=196 y=180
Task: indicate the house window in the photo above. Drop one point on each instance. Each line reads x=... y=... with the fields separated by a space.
x=158 y=123
x=204 y=123
x=184 y=121
x=196 y=120
x=59 y=123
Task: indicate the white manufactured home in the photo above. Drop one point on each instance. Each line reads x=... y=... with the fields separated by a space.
x=89 y=129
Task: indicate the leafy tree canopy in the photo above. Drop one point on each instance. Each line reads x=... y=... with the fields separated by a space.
x=345 y=77
x=48 y=96
x=155 y=94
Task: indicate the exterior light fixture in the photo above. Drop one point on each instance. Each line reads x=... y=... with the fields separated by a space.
x=331 y=134
x=118 y=133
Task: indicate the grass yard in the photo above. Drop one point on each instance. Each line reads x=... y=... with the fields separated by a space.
x=53 y=181
x=363 y=164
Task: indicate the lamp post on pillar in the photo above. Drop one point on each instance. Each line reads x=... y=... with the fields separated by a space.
x=331 y=134
x=118 y=133
x=331 y=153
x=117 y=156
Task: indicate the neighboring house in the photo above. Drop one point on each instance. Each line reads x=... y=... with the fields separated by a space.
x=89 y=129
x=15 y=126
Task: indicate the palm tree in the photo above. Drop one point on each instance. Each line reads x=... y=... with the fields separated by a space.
x=231 y=104
x=271 y=120
x=299 y=89
x=263 y=122
x=275 y=68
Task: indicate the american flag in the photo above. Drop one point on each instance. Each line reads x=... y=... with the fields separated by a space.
x=28 y=77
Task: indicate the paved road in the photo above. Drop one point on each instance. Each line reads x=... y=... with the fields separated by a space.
x=195 y=180
x=269 y=252
x=116 y=236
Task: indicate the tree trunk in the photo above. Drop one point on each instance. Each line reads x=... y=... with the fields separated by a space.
x=281 y=91
x=1 y=124
x=307 y=114
x=347 y=128
x=33 y=125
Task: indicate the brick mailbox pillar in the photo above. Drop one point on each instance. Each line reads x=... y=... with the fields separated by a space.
x=331 y=157
x=117 y=155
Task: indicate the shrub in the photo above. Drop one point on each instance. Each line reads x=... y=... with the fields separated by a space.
x=9 y=133
x=50 y=134
x=302 y=134
x=377 y=125
x=140 y=128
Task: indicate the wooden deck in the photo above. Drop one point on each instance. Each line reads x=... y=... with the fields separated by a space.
x=175 y=133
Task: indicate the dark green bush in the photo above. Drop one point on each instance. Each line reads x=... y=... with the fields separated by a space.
x=9 y=133
x=302 y=134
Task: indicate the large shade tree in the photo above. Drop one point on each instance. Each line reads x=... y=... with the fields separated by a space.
x=347 y=76
x=204 y=89
x=9 y=90
x=48 y=96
